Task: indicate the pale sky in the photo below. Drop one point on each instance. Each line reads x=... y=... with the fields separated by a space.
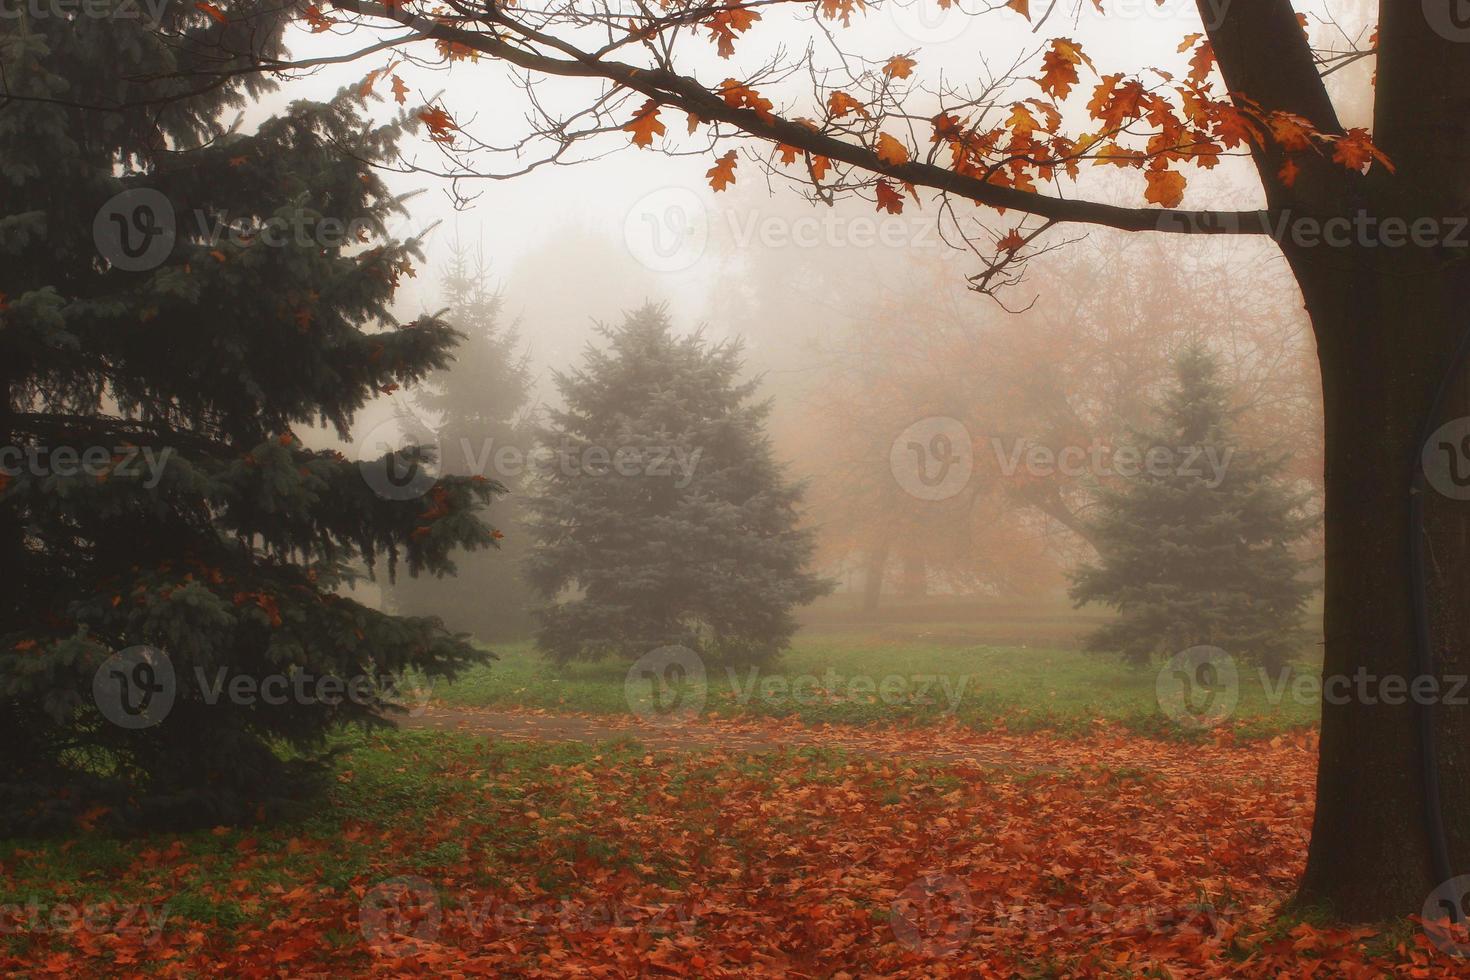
x=573 y=244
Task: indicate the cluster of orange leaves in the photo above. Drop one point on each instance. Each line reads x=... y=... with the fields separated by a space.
x=265 y=601
x=1108 y=856
x=438 y=507
x=1186 y=122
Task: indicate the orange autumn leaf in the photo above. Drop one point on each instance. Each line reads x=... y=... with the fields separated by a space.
x=1059 y=67
x=1022 y=7
x=1201 y=63
x=214 y=12
x=1355 y=151
x=833 y=9
x=727 y=24
x=645 y=125
x=365 y=87
x=455 y=51
x=400 y=90
x=738 y=95
x=441 y=126
x=1117 y=156
x=1292 y=132
x=1165 y=188
x=840 y=104
x=1021 y=121
x=1288 y=173
x=1011 y=242
x=946 y=127
x=891 y=151
x=899 y=66
x=722 y=174
x=319 y=22
x=889 y=199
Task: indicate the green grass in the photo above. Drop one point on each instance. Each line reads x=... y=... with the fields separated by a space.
x=477 y=818
x=449 y=807
x=836 y=676
x=397 y=783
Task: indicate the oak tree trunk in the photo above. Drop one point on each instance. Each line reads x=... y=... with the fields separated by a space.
x=874 y=570
x=1388 y=319
x=1386 y=337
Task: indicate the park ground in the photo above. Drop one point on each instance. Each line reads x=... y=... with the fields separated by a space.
x=1048 y=821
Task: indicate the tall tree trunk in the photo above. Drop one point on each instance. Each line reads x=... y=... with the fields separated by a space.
x=915 y=576
x=1386 y=341
x=874 y=569
x=1388 y=321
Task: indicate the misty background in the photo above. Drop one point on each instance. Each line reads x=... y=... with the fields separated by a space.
x=840 y=306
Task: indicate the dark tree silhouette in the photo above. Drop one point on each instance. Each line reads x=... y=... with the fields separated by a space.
x=1197 y=550
x=662 y=517
x=182 y=292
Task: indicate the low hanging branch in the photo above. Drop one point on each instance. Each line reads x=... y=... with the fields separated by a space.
x=697 y=99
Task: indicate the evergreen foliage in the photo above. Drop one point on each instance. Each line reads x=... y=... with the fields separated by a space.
x=662 y=517
x=1199 y=552
x=242 y=287
x=477 y=410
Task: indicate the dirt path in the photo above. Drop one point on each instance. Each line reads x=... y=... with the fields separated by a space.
x=1105 y=747
x=764 y=735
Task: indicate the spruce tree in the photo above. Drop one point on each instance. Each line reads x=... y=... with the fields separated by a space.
x=662 y=517
x=477 y=411
x=1198 y=551
x=175 y=296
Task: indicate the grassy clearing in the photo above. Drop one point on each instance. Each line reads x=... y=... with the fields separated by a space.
x=545 y=857
x=852 y=677
x=391 y=789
